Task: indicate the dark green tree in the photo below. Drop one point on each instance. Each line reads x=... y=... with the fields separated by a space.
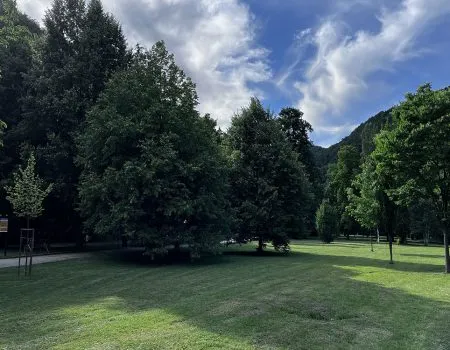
x=297 y=131
x=270 y=190
x=151 y=166
x=327 y=221
x=83 y=47
x=18 y=36
x=424 y=223
x=415 y=154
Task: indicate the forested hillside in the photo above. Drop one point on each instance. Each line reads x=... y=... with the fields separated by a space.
x=361 y=138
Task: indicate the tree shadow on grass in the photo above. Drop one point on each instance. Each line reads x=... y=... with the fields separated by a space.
x=300 y=301
x=424 y=255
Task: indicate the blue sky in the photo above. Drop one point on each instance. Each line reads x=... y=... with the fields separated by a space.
x=339 y=61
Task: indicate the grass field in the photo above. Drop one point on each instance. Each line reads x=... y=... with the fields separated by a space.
x=337 y=296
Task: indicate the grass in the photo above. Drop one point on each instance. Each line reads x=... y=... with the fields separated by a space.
x=337 y=296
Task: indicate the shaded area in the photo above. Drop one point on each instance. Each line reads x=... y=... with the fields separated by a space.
x=425 y=255
x=299 y=301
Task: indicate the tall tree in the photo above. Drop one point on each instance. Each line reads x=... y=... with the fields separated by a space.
x=18 y=35
x=416 y=153
x=270 y=190
x=297 y=130
x=363 y=197
x=151 y=166
x=83 y=47
x=340 y=177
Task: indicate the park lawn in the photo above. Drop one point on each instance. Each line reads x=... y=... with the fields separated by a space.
x=336 y=296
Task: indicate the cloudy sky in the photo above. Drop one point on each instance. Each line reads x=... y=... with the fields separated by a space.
x=339 y=61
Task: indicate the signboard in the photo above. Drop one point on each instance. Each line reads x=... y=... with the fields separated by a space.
x=3 y=224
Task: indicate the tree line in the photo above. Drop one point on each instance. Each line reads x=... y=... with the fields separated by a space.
x=116 y=133
x=399 y=183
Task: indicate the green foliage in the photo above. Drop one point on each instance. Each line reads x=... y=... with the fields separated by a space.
x=363 y=196
x=82 y=48
x=2 y=128
x=362 y=138
x=415 y=154
x=270 y=191
x=327 y=221
x=18 y=35
x=424 y=223
x=340 y=177
x=28 y=191
x=296 y=131
x=151 y=166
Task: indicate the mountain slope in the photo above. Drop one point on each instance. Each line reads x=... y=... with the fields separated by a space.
x=361 y=138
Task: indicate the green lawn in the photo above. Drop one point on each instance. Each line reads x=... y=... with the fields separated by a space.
x=337 y=296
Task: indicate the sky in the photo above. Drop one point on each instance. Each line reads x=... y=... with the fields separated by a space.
x=338 y=61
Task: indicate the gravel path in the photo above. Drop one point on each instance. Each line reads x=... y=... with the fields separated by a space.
x=42 y=259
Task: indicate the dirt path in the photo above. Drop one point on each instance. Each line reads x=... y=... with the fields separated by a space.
x=42 y=259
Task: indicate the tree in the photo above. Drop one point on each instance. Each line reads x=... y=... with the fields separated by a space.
x=28 y=192
x=423 y=220
x=340 y=177
x=82 y=48
x=151 y=166
x=270 y=191
x=18 y=36
x=296 y=131
x=327 y=222
x=416 y=154
x=363 y=197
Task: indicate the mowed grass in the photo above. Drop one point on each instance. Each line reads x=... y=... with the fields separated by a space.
x=337 y=296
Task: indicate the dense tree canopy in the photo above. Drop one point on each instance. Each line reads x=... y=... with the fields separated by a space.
x=415 y=154
x=270 y=190
x=28 y=191
x=152 y=167
x=75 y=62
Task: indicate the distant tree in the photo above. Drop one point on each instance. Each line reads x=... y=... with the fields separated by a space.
x=151 y=166
x=28 y=192
x=415 y=154
x=270 y=192
x=340 y=177
x=327 y=222
x=423 y=220
x=363 y=197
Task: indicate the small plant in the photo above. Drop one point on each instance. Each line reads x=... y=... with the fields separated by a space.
x=28 y=192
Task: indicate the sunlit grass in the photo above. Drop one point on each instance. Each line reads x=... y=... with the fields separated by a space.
x=338 y=296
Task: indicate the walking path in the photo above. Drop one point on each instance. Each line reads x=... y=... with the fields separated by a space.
x=42 y=259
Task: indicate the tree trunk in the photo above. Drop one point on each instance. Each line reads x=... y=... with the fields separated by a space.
x=260 y=244
x=378 y=235
x=447 y=253
x=371 y=242
x=391 y=261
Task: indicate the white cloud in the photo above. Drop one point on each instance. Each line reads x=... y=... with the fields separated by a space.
x=213 y=41
x=340 y=71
